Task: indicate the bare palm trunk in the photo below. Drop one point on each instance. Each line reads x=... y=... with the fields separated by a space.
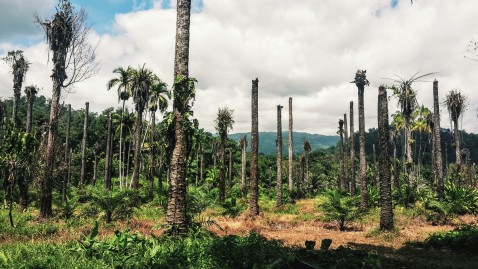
x=279 y=155
x=67 y=154
x=386 y=210
x=83 y=145
x=121 y=154
x=363 y=164
x=341 y=183
x=23 y=182
x=222 y=172
x=352 y=151
x=291 y=179
x=254 y=199
x=137 y=149
x=243 y=170
x=346 y=155
x=409 y=164
x=456 y=136
x=437 y=143
x=230 y=172
x=152 y=160
x=108 y=154
x=176 y=211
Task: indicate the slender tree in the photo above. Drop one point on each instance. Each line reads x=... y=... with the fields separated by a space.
x=290 y=160
x=386 y=209
x=23 y=182
x=19 y=66
x=96 y=151
x=108 y=153
x=456 y=104
x=341 y=182
x=73 y=61
x=438 y=165
x=244 y=164
x=183 y=94
x=346 y=155
x=307 y=184
x=224 y=122
x=279 y=155
x=67 y=154
x=83 y=144
x=254 y=199
x=123 y=83
x=229 y=170
x=352 y=151
x=361 y=81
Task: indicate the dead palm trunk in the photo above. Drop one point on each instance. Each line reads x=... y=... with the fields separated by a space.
x=176 y=211
x=386 y=210
x=341 y=182
x=291 y=179
x=83 y=145
x=254 y=199
x=279 y=155
x=244 y=163
x=108 y=154
x=437 y=142
x=456 y=136
x=67 y=153
x=346 y=155
x=352 y=151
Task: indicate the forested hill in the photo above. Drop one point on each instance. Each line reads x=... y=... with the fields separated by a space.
x=267 y=141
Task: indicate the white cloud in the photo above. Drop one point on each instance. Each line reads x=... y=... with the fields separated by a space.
x=307 y=49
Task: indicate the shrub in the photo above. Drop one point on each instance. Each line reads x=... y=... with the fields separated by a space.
x=341 y=208
x=463 y=239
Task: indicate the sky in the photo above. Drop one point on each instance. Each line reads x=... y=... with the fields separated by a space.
x=305 y=49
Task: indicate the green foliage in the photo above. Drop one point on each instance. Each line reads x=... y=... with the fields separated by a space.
x=341 y=208
x=404 y=195
x=232 y=208
x=373 y=196
x=25 y=227
x=463 y=239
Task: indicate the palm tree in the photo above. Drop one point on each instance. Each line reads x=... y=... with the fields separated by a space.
x=341 y=182
x=23 y=183
x=254 y=199
x=361 y=81
x=291 y=179
x=123 y=82
x=279 y=155
x=407 y=100
x=438 y=171
x=108 y=154
x=83 y=145
x=142 y=81
x=224 y=122
x=158 y=99
x=386 y=209
x=183 y=94
x=244 y=163
x=19 y=66
x=456 y=104
x=394 y=140
x=352 y=150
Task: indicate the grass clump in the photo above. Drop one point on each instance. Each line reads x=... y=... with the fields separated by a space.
x=463 y=239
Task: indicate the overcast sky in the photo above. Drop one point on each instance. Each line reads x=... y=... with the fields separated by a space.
x=306 y=49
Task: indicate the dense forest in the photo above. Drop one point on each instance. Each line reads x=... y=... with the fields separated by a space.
x=147 y=187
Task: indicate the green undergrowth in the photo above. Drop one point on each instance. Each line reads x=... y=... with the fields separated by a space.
x=463 y=239
x=199 y=249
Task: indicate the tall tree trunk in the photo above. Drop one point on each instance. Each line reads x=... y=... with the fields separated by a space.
x=83 y=145
x=341 y=182
x=47 y=181
x=152 y=160
x=279 y=155
x=363 y=164
x=108 y=154
x=374 y=165
x=67 y=154
x=244 y=164
x=16 y=100
x=437 y=143
x=176 y=211
x=396 y=167
x=352 y=150
x=346 y=155
x=409 y=165
x=121 y=154
x=95 y=166
x=291 y=178
x=254 y=200
x=137 y=148
x=456 y=136
x=230 y=172
x=222 y=172
x=386 y=209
